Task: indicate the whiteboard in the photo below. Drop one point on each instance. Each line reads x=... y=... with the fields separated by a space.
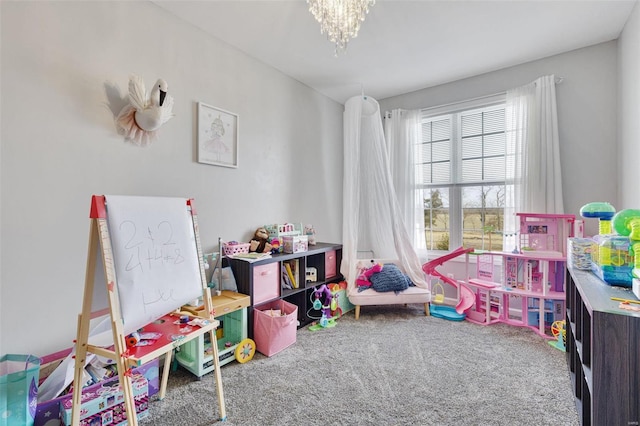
x=155 y=256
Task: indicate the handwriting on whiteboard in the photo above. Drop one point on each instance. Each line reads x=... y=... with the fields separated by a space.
x=155 y=256
x=155 y=247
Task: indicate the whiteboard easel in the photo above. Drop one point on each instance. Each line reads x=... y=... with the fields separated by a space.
x=150 y=254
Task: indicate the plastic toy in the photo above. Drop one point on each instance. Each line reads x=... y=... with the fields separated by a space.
x=603 y=211
x=560 y=333
x=627 y=223
x=326 y=320
x=311 y=274
x=465 y=295
x=245 y=350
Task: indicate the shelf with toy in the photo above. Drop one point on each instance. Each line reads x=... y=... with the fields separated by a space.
x=601 y=347
x=264 y=280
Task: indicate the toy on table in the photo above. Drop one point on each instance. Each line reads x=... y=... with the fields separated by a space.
x=603 y=211
x=260 y=241
x=276 y=246
x=310 y=232
x=627 y=223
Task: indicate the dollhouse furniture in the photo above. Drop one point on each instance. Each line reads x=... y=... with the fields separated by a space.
x=525 y=288
x=602 y=351
x=370 y=296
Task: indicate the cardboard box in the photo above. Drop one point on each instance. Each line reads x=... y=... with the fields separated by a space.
x=48 y=413
x=106 y=406
x=296 y=244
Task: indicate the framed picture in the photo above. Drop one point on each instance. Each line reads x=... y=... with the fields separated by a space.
x=217 y=136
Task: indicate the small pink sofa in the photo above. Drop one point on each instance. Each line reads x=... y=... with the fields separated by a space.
x=371 y=297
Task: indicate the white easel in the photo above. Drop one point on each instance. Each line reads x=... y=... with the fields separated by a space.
x=103 y=253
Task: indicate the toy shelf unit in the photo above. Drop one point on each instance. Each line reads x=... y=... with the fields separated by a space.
x=230 y=308
x=602 y=341
x=525 y=288
x=292 y=277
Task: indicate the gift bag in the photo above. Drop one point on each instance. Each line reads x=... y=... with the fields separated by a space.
x=274 y=326
x=18 y=389
x=228 y=279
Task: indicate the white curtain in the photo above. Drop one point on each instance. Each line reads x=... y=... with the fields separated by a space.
x=533 y=153
x=372 y=219
x=402 y=133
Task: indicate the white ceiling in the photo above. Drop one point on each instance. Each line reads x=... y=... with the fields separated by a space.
x=406 y=45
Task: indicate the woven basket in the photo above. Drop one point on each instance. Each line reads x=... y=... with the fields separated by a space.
x=231 y=249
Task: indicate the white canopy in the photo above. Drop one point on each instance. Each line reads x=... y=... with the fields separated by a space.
x=372 y=222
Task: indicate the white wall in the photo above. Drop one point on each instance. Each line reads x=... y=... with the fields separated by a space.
x=629 y=113
x=60 y=64
x=587 y=104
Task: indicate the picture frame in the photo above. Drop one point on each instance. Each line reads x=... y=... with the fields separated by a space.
x=217 y=136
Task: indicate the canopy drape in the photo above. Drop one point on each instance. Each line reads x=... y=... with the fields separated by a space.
x=373 y=222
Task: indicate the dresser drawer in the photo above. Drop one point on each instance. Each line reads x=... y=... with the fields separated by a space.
x=330 y=264
x=266 y=283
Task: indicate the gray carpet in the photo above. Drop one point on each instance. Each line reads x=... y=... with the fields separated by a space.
x=392 y=367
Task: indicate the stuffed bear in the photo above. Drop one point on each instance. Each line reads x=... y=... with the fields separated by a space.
x=260 y=242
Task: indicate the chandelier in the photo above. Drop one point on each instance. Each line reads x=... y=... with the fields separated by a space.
x=340 y=19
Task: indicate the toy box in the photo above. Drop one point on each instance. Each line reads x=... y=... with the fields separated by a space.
x=48 y=412
x=296 y=244
x=106 y=406
x=283 y=229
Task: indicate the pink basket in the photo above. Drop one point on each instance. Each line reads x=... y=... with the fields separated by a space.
x=274 y=326
x=231 y=249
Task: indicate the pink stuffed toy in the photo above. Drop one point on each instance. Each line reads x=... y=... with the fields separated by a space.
x=363 y=277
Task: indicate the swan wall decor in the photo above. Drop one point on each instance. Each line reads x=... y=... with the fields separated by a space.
x=140 y=120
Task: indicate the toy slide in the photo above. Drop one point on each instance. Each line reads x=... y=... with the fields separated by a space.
x=467 y=296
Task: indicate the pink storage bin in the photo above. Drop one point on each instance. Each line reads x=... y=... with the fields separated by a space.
x=274 y=326
x=266 y=282
x=330 y=268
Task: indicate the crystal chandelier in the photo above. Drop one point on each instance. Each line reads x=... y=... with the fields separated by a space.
x=340 y=19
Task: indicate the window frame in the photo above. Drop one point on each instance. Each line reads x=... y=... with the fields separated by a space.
x=456 y=111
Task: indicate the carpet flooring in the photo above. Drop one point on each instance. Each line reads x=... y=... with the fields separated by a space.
x=393 y=366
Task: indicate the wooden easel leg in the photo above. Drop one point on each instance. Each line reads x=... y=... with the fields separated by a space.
x=218 y=376
x=165 y=374
x=80 y=358
x=125 y=381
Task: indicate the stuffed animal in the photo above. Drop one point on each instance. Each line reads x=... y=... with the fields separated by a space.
x=363 y=278
x=311 y=234
x=260 y=242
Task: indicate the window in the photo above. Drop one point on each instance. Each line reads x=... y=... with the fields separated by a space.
x=460 y=172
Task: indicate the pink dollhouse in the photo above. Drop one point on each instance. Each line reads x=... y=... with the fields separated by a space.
x=526 y=287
